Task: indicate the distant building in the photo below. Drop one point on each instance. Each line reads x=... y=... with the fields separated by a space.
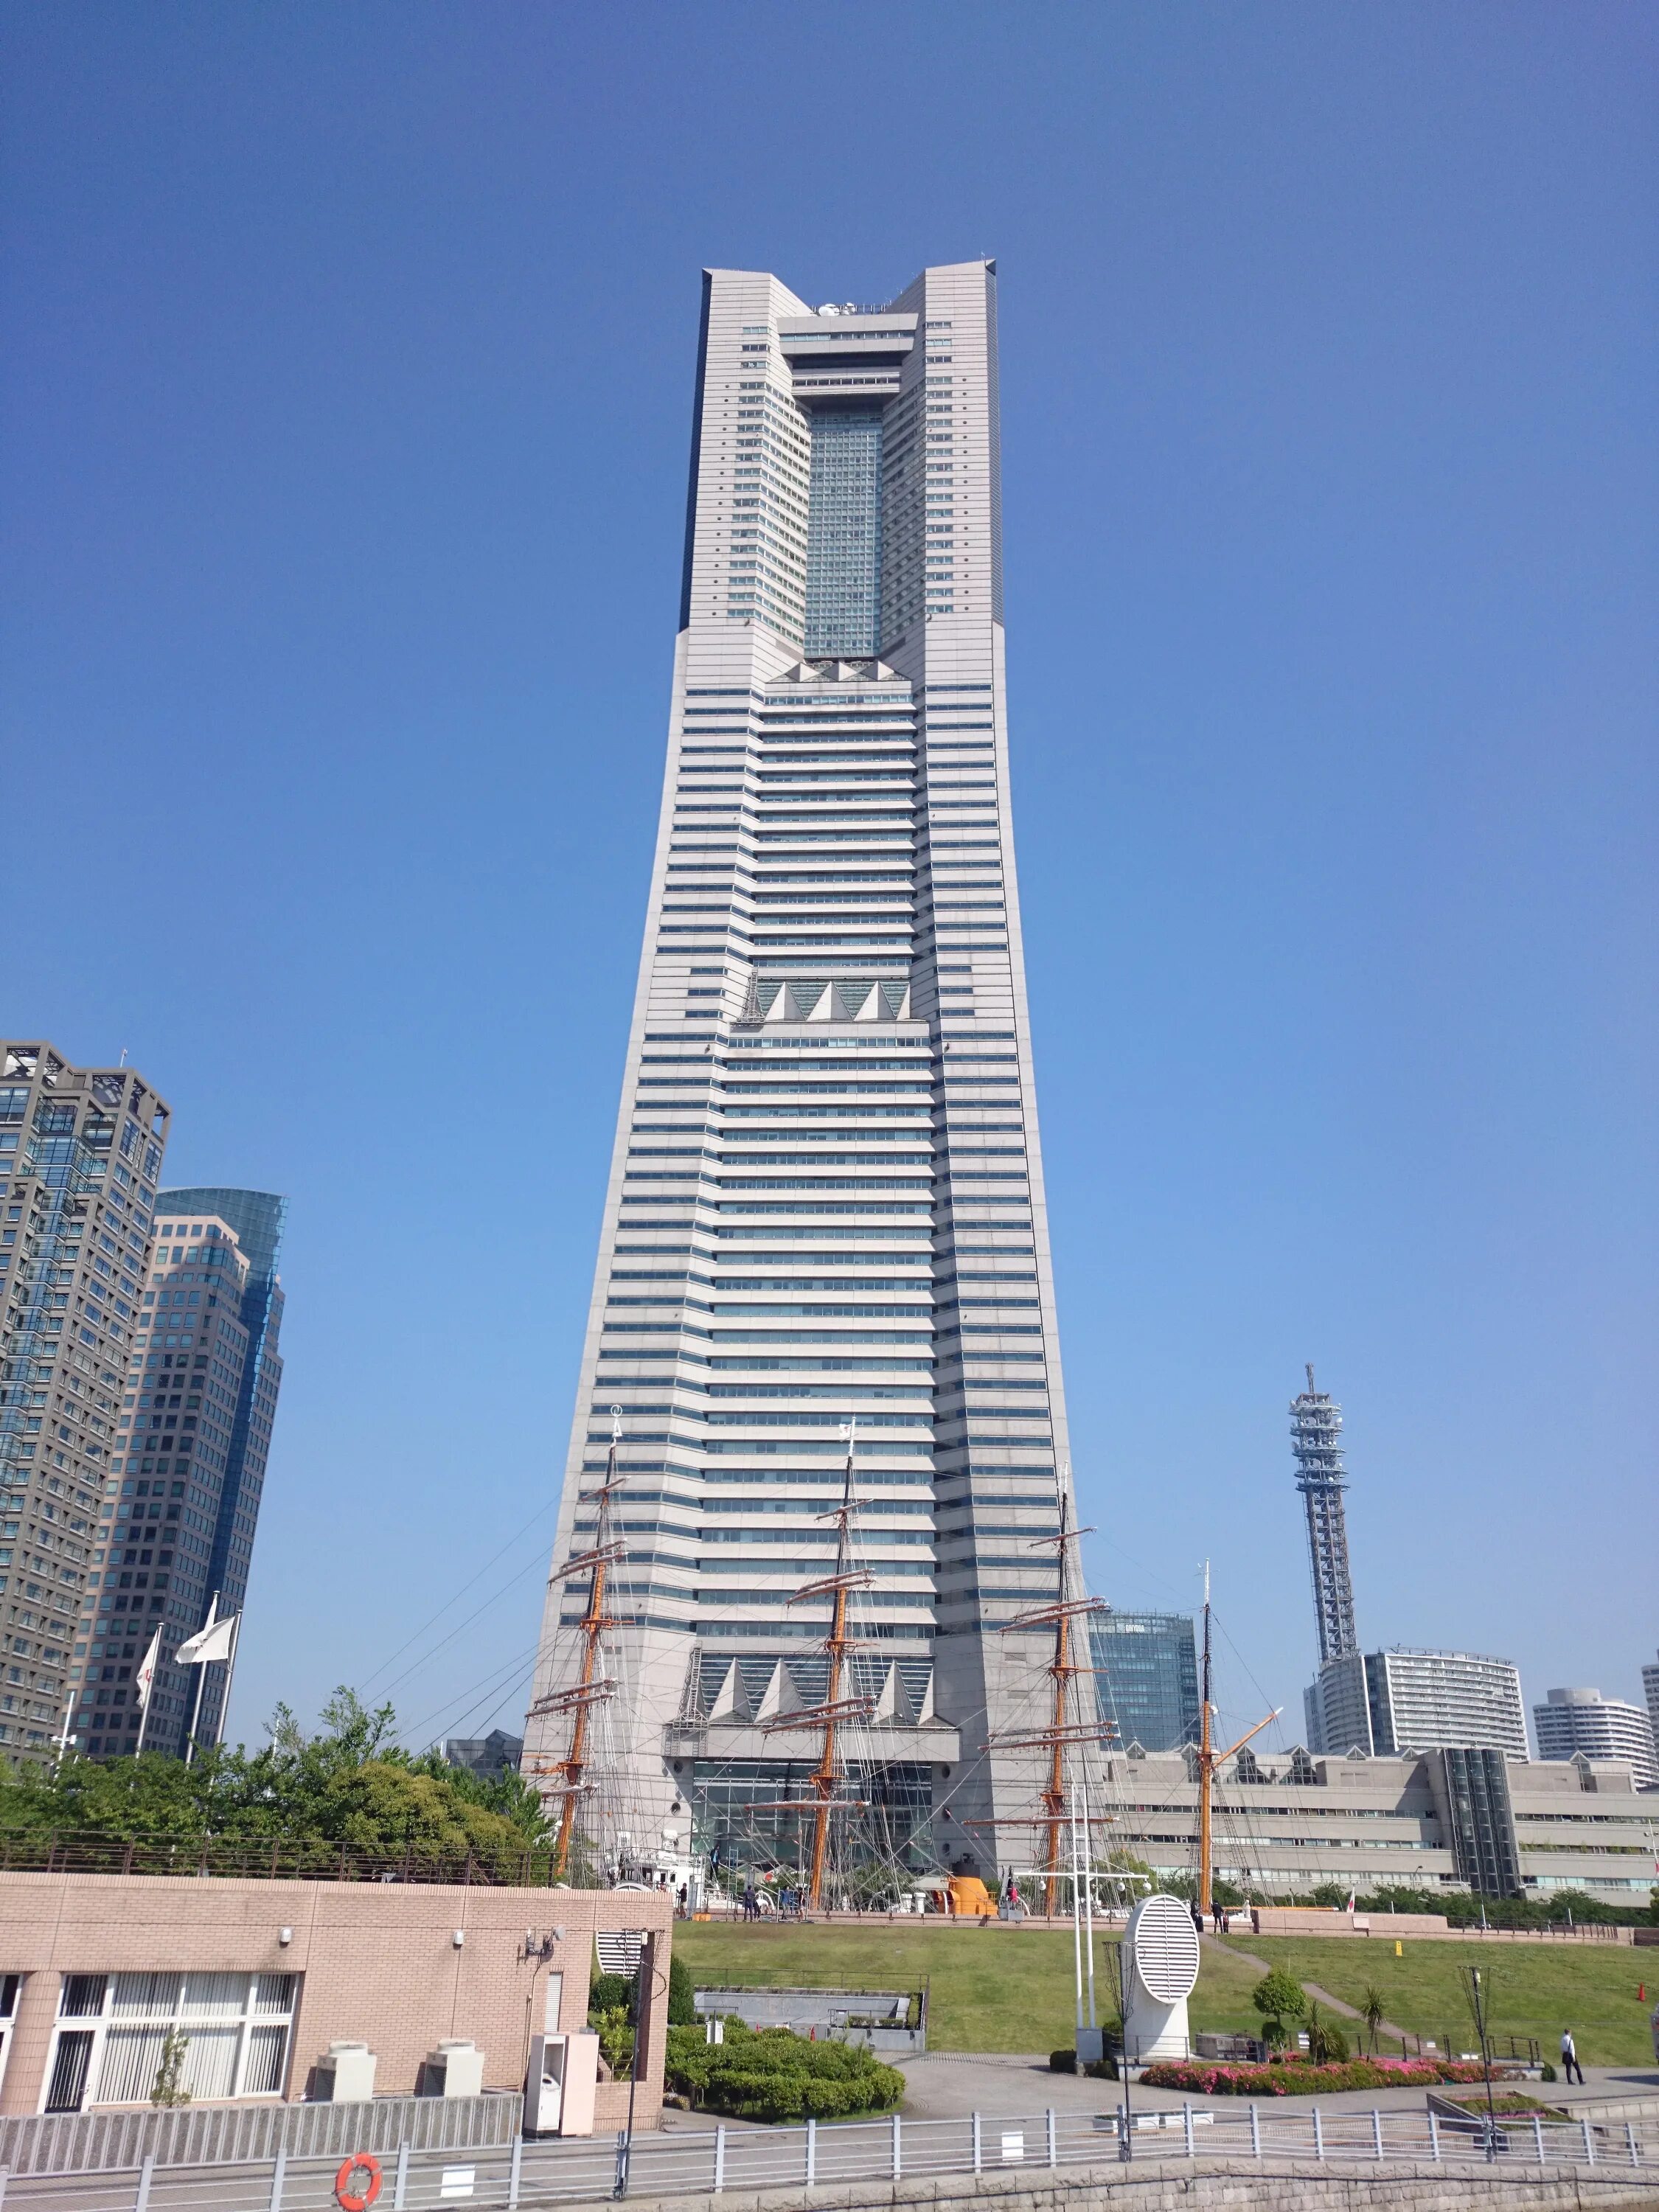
x=1393 y=1703
x=1602 y=1728
x=173 y=1455
x=258 y=1217
x=1465 y=1817
x=486 y=1755
x=1147 y=1683
x=1651 y=1691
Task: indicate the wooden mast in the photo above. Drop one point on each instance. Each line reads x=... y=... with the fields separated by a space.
x=835 y=1708
x=1061 y=1731
x=590 y=1688
x=1209 y=1759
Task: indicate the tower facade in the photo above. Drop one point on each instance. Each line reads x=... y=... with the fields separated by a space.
x=81 y=1152
x=191 y=1456
x=825 y=1226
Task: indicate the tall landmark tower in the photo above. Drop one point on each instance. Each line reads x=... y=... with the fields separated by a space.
x=1315 y=1433
x=820 y=1392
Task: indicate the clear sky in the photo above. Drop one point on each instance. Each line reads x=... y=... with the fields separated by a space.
x=346 y=405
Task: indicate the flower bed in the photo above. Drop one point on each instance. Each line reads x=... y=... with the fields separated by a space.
x=1296 y=2077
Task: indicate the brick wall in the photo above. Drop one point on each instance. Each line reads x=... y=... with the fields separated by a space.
x=378 y=1964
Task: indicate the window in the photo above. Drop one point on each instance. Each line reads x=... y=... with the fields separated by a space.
x=236 y=2027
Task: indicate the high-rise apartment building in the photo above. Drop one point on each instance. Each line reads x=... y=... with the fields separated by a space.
x=195 y=1428
x=80 y=1158
x=1650 y=1694
x=826 y=1206
x=1571 y=1721
x=1394 y=1702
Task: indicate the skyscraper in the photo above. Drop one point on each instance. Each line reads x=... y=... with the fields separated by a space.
x=80 y=1156
x=189 y=1455
x=1147 y=1673
x=826 y=1203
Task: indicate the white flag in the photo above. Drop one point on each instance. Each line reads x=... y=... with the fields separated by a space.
x=213 y=1642
x=145 y=1677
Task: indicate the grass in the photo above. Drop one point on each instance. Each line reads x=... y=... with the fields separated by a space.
x=1534 y=1989
x=989 y=1989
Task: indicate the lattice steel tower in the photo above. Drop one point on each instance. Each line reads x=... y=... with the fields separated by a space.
x=1315 y=1430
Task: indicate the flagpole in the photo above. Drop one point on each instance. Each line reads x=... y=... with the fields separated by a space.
x=201 y=1684
x=143 y=1710
x=230 y=1669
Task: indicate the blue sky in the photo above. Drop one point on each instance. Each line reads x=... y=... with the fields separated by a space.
x=346 y=403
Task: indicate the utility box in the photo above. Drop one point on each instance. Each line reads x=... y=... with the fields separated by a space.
x=454 y=2069
x=559 y=2085
x=345 y=2075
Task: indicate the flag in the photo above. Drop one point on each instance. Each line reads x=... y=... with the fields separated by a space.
x=212 y=1641
x=145 y=1677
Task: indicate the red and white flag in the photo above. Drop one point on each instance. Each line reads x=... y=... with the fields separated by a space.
x=145 y=1678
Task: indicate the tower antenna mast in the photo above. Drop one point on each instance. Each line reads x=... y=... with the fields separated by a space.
x=1315 y=1443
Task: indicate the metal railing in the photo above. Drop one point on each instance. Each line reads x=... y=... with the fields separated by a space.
x=275 y=1858
x=791 y=2160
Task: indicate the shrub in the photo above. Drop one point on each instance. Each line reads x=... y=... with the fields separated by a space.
x=772 y=2073
x=682 y=1995
x=1298 y=2078
x=1062 y=2062
x=1327 y=2044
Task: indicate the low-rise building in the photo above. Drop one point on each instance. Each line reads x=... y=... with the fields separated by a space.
x=1447 y=1820
x=262 y=1977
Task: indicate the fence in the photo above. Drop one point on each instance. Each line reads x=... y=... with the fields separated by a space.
x=277 y=1858
x=790 y=2159
x=220 y=2135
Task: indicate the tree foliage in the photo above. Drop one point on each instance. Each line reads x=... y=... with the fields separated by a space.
x=351 y=1782
x=1279 y=1998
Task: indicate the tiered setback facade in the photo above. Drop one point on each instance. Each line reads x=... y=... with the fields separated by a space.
x=826 y=1198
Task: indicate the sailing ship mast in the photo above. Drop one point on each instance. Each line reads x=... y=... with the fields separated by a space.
x=837 y=1711
x=1209 y=1759
x=1062 y=1730
x=591 y=1688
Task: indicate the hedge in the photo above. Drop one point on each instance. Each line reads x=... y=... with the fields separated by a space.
x=772 y=2073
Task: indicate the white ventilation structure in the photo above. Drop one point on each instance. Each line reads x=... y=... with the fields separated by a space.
x=1160 y=1948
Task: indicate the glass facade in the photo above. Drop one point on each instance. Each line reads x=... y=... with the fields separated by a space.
x=745 y=1811
x=1147 y=1683
x=843 y=535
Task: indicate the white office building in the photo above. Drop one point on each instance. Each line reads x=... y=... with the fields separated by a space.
x=1584 y=1721
x=826 y=1199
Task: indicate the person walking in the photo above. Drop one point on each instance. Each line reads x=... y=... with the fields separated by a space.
x=751 y=1904
x=1570 y=2065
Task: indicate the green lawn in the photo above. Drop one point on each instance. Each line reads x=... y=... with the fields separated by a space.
x=989 y=1989
x=1535 y=1989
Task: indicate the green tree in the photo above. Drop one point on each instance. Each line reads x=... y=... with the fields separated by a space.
x=1372 y=2006
x=1280 y=2000
x=682 y=1994
x=350 y=1783
x=169 y=2085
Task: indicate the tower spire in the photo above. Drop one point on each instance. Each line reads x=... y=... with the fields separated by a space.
x=1316 y=1432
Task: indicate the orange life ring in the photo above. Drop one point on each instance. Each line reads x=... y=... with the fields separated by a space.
x=347 y=2194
